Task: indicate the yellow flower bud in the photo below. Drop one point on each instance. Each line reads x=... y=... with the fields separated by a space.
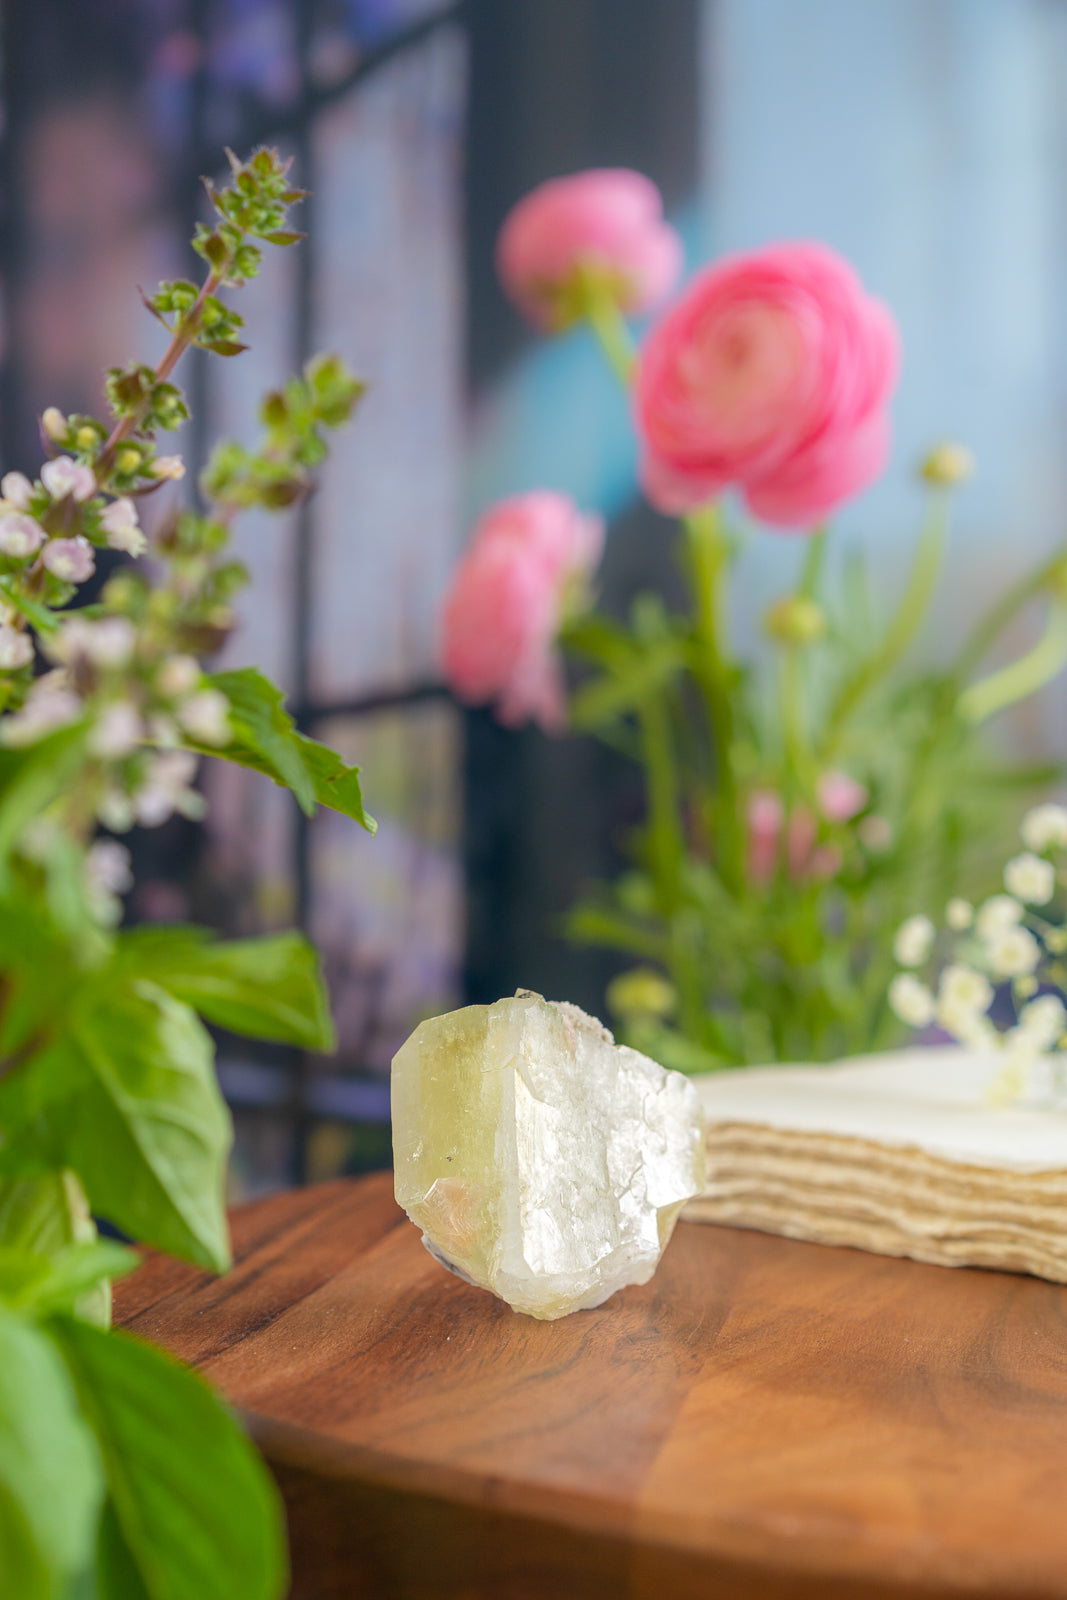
x=85 y=438
x=54 y=423
x=641 y=992
x=127 y=461
x=947 y=465
x=795 y=620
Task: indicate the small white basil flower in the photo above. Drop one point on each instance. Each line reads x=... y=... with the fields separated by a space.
x=998 y=912
x=17 y=490
x=911 y=1000
x=178 y=676
x=168 y=467
x=54 y=423
x=1012 y=953
x=1031 y=878
x=20 y=536
x=119 y=522
x=959 y=914
x=50 y=704
x=71 y=560
x=205 y=716
x=65 y=476
x=117 y=733
x=1045 y=827
x=16 y=649
x=169 y=789
x=914 y=941
x=108 y=867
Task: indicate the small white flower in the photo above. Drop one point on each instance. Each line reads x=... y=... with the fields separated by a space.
x=108 y=867
x=17 y=490
x=16 y=649
x=119 y=522
x=118 y=731
x=963 y=986
x=1012 y=953
x=968 y=1026
x=998 y=912
x=163 y=731
x=914 y=941
x=107 y=643
x=168 y=789
x=178 y=676
x=168 y=467
x=20 y=535
x=50 y=704
x=911 y=1000
x=205 y=716
x=70 y=560
x=1030 y=878
x=1045 y=827
x=1044 y=1020
x=65 y=476
x=959 y=914
x=115 y=811
x=54 y=423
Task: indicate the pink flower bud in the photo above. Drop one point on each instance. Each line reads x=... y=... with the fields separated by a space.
x=773 y=373
x=766 y=815
x=70 y=560
x=503 y=611
x=607 y=221
x=16 y=489
x=840 y=797
x=16 y=649
x=65 y=476
x=20 y=536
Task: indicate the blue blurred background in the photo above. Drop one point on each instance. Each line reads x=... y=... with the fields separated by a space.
x=925 y=139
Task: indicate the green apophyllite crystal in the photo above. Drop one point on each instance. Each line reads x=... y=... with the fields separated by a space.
x=541 y=1160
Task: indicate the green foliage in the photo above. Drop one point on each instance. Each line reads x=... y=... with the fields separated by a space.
x=210 y=1533
x=121 y=1476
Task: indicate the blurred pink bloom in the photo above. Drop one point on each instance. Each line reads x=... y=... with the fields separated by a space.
x=771 y=373
x=840 y=797
x=65 y=476
x=800 y=840
x=506 y=602
x=765 y=817
x=72 y=560
x=609 y=220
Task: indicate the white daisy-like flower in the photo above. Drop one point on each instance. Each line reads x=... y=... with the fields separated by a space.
x=914 y=941
x=1044 y=1020
x=998 y=912
x=1030 y=878
x=962 y=986
x=959 y=914
x=911 y=1000
x=1045 y=827
x=1012 y=953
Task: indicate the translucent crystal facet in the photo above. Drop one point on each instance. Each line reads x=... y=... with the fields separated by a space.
x=541 y=1160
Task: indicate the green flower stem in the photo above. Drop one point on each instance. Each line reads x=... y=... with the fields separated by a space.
x=794 y=724
x=988 y=631
x=1023 y=677
x=601 y=311
x=708 y=560
x=811 y=573
x=904 y=623
x=666 y=842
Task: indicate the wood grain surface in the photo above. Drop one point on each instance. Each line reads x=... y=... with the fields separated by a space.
x=765 y=1419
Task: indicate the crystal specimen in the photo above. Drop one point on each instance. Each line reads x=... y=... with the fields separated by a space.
x=541 y=1160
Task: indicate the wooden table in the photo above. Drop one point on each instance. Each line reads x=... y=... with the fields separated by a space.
x=765 y=1419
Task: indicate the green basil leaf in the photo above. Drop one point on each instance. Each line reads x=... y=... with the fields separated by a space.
x=136 y=1111
x=31 y=778
x=267 y=988
x=45 y=1215
x=266 y=739
x=50 y=1479
x=42 y=1285
x=198 y=1514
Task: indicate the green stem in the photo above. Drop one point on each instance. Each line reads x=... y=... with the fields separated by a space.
x=811 y=573
x=666 y=842
x=794 y=727
x=904 y=623
x=708 y=559
x=989 y=629
x=601 y=311
x=1022 y=677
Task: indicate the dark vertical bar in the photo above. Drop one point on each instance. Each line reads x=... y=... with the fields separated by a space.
x=13 y=231
x=304 y=559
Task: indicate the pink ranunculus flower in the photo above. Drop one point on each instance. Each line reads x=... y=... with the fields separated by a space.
x=609 y=221
x=507 y=599
x=772 y=373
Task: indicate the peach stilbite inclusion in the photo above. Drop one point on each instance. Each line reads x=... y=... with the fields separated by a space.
x=542 y=1161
